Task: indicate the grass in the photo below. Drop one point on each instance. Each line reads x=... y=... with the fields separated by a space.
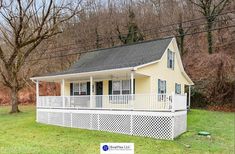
x=19 y=133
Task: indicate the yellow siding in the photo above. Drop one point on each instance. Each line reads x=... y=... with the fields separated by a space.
x=105 y=87
x=159 y=70
x=67 y=88
x=142 y=85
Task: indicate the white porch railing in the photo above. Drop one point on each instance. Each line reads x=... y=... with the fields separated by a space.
x=122 y=102
x=179 y=101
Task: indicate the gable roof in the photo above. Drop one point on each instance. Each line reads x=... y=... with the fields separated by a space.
x=123 y=56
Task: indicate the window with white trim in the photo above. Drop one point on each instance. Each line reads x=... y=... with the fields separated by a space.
x=170 y=59
x=80 y=88
x=121 y=87
x=75 y=89
x=161 y=86
x=177 y=88
x=126 y=87
x=116 y=87
x=83 y=88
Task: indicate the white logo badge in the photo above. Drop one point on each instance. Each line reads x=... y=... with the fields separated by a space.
x=117 y=148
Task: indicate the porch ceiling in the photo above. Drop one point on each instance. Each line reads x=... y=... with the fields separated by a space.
x=99 y=75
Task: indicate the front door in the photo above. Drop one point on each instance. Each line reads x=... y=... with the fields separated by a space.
x=99 y=92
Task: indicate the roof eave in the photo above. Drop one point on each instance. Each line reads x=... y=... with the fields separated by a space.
x=79 y=74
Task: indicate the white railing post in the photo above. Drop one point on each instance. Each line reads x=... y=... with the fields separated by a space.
x=173 y=102
x=91 y=83
x=37 y=98
x=62 y=92
x=189 y=97
x=132 y=89
x=37 y=93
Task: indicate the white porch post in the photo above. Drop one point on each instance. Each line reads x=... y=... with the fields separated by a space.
x=132 y=89
x=37 y=98
x=132 y=101
x=91 y=83
x=63 y=92
x=37 y=92
x=189 y=97
x=172 y=102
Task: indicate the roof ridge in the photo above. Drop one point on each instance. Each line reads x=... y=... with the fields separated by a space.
x=130 y=44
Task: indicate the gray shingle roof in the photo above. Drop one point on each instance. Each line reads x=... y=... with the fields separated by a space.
x=119 y=57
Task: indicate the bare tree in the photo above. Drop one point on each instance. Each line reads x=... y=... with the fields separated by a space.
x=211 y=10
x=134 y=34
x=182 y=12
x=24 y=26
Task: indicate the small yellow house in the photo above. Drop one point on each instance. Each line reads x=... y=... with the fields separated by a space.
x=146 y=77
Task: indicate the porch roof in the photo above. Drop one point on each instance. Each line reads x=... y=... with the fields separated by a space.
x=124 y=73
x=119 y=57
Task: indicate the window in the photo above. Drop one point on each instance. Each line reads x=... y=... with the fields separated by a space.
x=170 y=59
x=83 y=88
x=121 y=87
x=177 y=88
x=80 y=88
x=116 y=87
x=126 y=87
x=75 y=88
x=161 y=86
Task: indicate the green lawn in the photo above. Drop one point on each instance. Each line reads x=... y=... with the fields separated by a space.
x=19 y=133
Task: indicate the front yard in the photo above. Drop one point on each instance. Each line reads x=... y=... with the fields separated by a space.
x=19 y=133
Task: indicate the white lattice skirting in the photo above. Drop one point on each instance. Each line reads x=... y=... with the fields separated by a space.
x=160 y=125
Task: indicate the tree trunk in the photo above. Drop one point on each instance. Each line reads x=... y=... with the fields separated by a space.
x=14 y=100
x=181 y=32
x=209 y=37
x=181 y=44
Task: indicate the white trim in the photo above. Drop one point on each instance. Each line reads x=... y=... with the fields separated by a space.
x=79 y=88
x=159 y=87
x=37 y=92
x=171 y=57
x=180 y=86
x=132 y=91
x=143 y=65
x=132 y=83
x=189 y=97
x=63 y=91
x=91 y=83
x=83 y=73
x=127 y=112
x=173 y=102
